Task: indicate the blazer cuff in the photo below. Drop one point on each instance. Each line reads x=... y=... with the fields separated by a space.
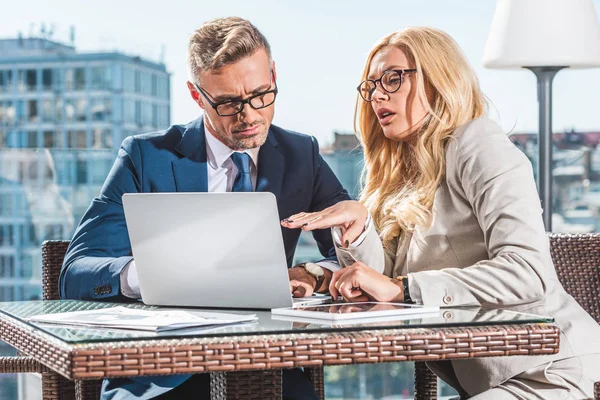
x=336 y=233
x=130 y=286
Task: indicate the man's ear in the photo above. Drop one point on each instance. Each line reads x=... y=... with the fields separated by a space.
x=195 y=94
x=274 y=71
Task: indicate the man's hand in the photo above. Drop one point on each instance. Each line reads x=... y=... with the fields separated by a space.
x=302 y=283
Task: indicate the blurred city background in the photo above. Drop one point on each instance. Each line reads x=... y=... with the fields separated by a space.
x=64 y=112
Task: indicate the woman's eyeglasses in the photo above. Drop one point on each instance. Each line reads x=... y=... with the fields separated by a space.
x=390 y=81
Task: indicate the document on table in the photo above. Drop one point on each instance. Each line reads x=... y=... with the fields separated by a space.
x=146 y=320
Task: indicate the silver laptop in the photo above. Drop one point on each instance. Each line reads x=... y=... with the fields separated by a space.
x=210 y=250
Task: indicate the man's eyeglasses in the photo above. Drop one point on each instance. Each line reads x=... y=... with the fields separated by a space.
x=231 y=107
x=390 y=81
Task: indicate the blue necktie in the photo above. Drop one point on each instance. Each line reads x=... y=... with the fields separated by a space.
x=242 y=182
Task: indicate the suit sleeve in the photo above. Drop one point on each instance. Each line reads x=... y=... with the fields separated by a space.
x=497 y=180
x=327 y=191
x=100 y=247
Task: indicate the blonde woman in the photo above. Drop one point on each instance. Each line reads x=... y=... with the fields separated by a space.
x=450 y=213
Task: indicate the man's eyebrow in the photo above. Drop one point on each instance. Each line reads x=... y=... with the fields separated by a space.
x=225 y=97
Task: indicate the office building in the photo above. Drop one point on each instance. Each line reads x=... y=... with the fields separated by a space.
x=63 y=115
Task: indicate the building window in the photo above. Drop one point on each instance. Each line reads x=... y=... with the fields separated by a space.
x=163 y=87
x=26 y=268
x=69 y=83
x=48 y=79
x=102 y=139
x=32 y=139
x=31 y=80
x=100 y=109
x=77 y=139
x=99 y=167
x=137 y=81
x=32 y=111
x=100 y=78
x=5 y=81
x=7 y=267
x=163 y=120
x=138 y=112
x=128 y=111
x=128 y=80
x=79 y=78
x=76 y=109
x=51 y=139
x=154 y=85
x=146 y=83
x=48 y=111
x=146 y=113
x=3 y=112
x=81 y=171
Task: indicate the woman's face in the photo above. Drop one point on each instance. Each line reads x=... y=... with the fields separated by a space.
x=399 y=113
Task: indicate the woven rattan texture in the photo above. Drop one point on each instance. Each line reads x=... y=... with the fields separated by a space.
x=317 y=377
x=425 y=382
x=577 y=261
x=184 y=356
x=16 y=365
x=88 y=390
x=53 y=253
x=256 y=385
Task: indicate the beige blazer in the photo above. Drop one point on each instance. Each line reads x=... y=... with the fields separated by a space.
x=486 y=247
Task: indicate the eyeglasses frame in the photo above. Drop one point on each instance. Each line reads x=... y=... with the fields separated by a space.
x=400 y=72
x=243 y=102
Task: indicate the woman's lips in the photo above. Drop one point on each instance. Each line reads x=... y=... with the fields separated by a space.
x=387 y=119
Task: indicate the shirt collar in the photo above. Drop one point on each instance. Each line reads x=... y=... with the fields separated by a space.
x=218 y=153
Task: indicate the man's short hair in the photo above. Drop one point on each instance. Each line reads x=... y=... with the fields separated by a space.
x=223 y=41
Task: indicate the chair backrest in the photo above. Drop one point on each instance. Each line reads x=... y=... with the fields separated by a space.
x=577 y=261
x=53 y=254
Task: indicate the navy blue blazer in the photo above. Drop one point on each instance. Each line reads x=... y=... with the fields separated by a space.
x=289 y=166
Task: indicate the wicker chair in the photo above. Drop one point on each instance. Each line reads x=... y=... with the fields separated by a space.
x=577 y=261
x=576 y=258
x=230 y=385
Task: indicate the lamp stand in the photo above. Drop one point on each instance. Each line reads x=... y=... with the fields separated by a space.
x=545 y=75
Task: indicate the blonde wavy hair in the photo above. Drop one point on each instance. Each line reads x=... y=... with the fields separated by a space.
x=400 y=179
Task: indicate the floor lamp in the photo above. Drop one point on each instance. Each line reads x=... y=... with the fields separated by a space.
x=544 y=36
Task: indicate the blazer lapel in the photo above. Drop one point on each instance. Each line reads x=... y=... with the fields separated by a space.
x=190 y=172
x=270 y=167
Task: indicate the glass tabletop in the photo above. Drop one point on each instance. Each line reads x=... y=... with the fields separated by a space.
x=266 y=323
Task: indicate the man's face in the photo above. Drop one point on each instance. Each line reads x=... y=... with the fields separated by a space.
x=237 y=81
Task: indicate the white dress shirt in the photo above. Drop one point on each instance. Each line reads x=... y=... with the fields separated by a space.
x=221 y=175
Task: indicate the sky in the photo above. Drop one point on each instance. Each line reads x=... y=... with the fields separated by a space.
x=319 y=47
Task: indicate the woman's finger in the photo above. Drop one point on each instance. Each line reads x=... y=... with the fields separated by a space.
x=335 y=281
x=353 y=232
x=293 y=218
x=349 y=292
x=337 y=218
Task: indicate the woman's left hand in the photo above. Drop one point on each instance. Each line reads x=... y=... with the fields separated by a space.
x=359 y=282
x=349 y=215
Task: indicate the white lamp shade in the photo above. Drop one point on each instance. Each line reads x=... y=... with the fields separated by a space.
x=543 y=33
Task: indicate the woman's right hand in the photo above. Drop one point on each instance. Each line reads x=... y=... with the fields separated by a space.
x=358 y=282
x=349 y=215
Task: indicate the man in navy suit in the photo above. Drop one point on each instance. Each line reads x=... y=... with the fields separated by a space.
x=232 y=147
